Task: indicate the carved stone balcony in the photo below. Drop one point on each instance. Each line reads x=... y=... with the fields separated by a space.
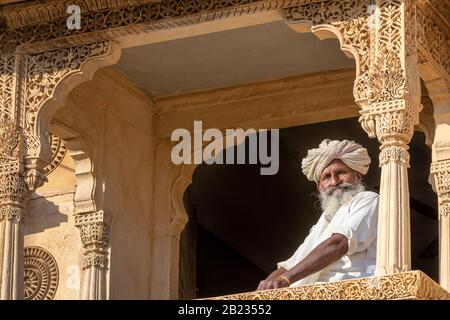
x=413 y=285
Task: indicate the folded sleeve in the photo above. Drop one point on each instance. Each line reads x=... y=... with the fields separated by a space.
x=360 y=223
x=296 y=257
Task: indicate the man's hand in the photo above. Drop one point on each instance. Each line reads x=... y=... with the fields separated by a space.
x=273 y=284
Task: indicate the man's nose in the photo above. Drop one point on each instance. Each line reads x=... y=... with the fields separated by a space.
x=335 y=181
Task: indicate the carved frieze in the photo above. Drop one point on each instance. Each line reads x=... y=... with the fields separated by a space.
x=45 y=25
x=406 y=285
x=7 y=86
x=434 y=33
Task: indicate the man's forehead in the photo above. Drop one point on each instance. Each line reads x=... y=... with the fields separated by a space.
x=335 y=164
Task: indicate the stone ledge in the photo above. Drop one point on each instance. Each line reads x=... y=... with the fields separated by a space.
x=413 y=285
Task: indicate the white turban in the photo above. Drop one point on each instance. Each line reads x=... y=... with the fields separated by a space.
x=351 y=153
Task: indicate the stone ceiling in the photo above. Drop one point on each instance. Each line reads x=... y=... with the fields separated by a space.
x=222 y=59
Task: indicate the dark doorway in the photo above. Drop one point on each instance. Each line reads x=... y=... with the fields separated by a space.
x=245 y=223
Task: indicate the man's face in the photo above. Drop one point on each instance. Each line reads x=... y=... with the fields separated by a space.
x=336 y=174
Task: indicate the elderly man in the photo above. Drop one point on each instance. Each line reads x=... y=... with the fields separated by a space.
x=342 y=245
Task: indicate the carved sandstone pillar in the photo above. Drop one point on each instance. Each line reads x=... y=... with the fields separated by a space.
x=440 y=169
x=18 y=176
x=95 y=232
x=394 y=106
x=13 y=196
x=32 y=87
x=441 y=172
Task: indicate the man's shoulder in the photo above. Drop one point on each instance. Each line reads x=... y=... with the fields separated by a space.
x=365 y=197
x=368 y=194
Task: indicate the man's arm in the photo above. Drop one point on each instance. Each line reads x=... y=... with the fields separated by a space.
x=329 y=251
x=321 y=257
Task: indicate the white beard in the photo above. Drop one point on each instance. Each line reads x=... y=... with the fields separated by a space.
x=336 y=197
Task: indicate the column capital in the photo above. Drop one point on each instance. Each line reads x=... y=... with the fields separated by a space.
x=441 y=172
x=95 y=234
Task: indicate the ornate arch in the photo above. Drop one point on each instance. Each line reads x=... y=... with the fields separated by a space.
x=36 y=85
x=348 y=21
x=48 y=79
x=183 y=178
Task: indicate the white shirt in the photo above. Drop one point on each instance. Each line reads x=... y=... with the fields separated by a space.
x=358 y=222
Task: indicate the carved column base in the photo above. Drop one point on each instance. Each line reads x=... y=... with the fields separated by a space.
x=13 y=196
x=11 y=253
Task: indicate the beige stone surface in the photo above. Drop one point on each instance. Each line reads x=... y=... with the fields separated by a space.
x=123 y=134
x=108 y=115
x=122 y=149
x=50 y=225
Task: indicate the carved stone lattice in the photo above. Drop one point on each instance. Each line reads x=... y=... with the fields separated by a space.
x=408 y=285
x=41 y=274
x=9 y=147
x=394 y=72
x=434 y=33
x=149 y=16
x=7 y=63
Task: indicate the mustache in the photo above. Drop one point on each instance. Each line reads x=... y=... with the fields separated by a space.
x=342 y=186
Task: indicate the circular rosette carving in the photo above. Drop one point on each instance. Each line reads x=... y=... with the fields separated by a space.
x=58 y=152
x=41 y=274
